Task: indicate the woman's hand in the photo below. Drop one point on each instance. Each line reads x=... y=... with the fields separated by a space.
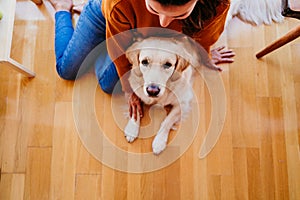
x=220 y=55
x=78 y=8
x=62 y=5
x=135 y=105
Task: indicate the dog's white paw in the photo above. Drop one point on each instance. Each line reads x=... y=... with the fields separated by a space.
x=159 y=143
x=129 y=138
x=132 y=130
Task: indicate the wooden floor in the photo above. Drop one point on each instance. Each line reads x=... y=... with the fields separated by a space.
x=256 y=157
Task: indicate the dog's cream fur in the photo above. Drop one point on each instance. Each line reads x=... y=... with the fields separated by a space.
x=162 y=74
x=256 y=12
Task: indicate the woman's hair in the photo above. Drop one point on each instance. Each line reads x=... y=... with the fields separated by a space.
x=204 y=10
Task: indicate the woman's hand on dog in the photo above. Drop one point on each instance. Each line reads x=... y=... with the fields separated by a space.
x=221 y=55
x=135 y=105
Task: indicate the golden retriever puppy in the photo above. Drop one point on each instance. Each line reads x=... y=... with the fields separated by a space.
x=162 y=73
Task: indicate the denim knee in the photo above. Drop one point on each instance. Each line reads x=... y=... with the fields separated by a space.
x=64 y=73
x=107 y=75
x=109 y=82
x=71 y=72
x=109 y=89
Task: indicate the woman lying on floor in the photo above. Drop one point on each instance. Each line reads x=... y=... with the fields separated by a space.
x=203 y=20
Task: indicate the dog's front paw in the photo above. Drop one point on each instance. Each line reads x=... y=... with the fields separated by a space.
x=159 y=143
x=131 y=130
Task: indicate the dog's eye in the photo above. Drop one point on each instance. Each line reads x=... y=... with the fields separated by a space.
x=167 y=65
x=145 y=62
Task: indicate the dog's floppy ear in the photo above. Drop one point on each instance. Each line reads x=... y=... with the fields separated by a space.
x=136 y=71
x=133 y=58
x=133 y=51
x=132 y=54
x=180 y=66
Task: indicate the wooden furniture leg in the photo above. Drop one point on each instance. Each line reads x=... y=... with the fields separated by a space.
x=288 y=12
x=290 y=36
x=38 y=2
x=7 y=26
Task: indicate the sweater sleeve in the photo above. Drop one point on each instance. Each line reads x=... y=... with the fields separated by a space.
x=119 y=38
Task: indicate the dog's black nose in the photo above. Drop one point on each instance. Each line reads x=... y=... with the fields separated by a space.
x=153 y=90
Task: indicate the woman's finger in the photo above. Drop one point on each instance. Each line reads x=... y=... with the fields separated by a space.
x=225 y=60
x=133 y=108
x=219 y=48
x=130 y=110
x=140 y=109
x=228 y=54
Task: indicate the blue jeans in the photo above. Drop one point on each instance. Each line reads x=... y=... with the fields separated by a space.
x=73 y=46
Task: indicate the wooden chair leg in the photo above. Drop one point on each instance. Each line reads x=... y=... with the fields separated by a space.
x=290 y=36
x=288 y=12
x=38 y=2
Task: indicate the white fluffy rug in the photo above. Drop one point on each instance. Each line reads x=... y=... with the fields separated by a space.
x=256 y=12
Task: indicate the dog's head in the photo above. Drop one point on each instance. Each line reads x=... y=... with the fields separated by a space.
x=157 y=62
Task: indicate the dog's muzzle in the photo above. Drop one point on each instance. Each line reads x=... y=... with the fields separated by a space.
x=152 y=90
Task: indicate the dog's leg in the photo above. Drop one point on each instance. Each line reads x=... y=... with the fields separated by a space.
x=160 y=141
x=132 y=129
